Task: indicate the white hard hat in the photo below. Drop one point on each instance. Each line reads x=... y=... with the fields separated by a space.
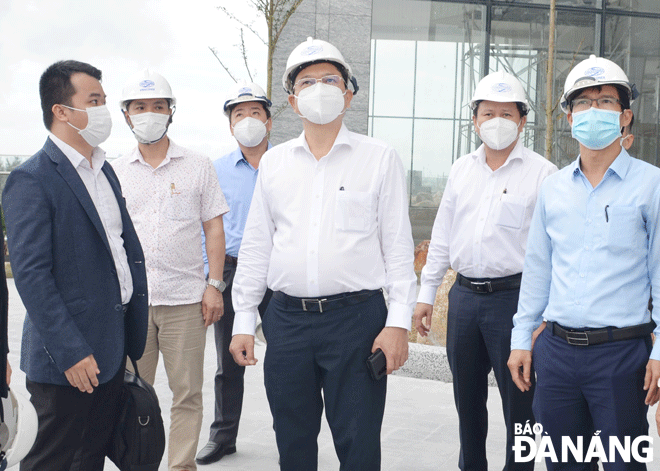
x=146 y=84
x=19 y=426
x=314 y=50
x=244 y=91
x=501 y=87
x=593 y=72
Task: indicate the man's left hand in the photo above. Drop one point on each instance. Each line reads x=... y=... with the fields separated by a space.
x=651 y=382
x=212 y=306
x=393 y=341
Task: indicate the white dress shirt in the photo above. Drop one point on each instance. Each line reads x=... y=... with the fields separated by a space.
x=106 y=205
x=168 y=204
x=319 y=228
x=481 y=227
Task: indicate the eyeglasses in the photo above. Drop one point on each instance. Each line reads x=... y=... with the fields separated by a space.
x=334 y=80
x=605 y=102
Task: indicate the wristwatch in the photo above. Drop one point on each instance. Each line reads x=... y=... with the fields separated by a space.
x=217 y=284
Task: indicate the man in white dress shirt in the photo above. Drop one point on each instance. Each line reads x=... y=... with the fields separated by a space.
x=481 y=232
x=170 y=191
x=328 y=228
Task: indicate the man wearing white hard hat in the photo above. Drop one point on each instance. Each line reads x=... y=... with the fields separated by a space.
x=170 y=191
x=593 y=259
x=248 y=110
x=480 y=231
x=328 y=229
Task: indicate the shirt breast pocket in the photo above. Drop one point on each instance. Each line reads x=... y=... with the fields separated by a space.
x=355 y=211
x=623 y=224
x=510 y=211
x=181 y=206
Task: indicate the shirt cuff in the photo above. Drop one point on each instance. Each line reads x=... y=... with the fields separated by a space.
x=521 y=339
x=655 y=352
x=245 y=323
x=399 y=315
x=427 y=294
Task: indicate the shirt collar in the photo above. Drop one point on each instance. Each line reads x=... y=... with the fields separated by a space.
x=620 y=165
x=343 y=138
x=77 y=159
x=173 y=152
x=237 y=155
x=516 y=154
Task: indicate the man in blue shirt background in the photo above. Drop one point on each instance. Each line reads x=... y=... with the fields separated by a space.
x=592 y=261
x=248 y=111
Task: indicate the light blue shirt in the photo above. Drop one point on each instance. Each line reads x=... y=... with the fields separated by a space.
x=592 y=253
x=237 y=179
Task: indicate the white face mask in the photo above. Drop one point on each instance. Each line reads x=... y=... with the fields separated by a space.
x=498 y=133
x=149 y=127
x=99 y=124
x=321 y=103
x=249 y=131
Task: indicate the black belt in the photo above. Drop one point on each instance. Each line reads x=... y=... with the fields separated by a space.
x=326 y=303
x=584 y=337
x=490 y=285
x=229 y=260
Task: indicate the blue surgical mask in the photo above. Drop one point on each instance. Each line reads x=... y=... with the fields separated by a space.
x=596 y=129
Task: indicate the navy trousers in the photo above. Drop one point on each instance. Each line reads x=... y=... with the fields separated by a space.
x=74 y=427
x=229 y=383
x=478 y=340
x=319 y=359
x=580 y=390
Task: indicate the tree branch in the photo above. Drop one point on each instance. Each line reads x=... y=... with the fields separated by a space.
x=215 y=53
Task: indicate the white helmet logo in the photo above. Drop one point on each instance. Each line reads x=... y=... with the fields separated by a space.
x=311 y=50
x=147 y=85
x=501 y=87
x=594 y=71
x=245 y=91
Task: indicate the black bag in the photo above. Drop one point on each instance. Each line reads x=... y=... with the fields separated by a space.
x=138 y=440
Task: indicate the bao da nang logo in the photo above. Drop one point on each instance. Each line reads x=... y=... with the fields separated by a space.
x=612 y=449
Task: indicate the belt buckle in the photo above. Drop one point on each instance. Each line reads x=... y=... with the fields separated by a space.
x=579 y=339
x=313 y=301
x=482 y=286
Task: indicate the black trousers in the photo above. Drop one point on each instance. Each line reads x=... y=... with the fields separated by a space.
x=229 y=384
x=319 y=359
x=478 y=340
x=73 y=424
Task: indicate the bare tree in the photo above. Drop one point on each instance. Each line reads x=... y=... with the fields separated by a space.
x=276 y=13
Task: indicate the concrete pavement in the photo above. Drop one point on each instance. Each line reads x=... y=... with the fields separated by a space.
x=419 y=429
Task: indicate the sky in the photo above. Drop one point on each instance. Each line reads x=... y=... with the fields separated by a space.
x=122 y=37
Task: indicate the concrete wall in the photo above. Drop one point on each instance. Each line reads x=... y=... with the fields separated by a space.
x=343 y=23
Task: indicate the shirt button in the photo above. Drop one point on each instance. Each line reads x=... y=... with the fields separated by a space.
x=582 y=275
x=589 y=221
x=586 y=247
x=577 y=302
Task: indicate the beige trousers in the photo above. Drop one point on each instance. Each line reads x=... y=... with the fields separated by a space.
x=178 y=332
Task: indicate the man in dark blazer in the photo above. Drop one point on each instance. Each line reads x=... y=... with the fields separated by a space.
x=79 y=269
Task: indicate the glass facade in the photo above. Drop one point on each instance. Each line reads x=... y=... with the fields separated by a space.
x=427 y=57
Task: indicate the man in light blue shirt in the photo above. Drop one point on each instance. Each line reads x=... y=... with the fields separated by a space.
x=248 y=111
x=592 y=260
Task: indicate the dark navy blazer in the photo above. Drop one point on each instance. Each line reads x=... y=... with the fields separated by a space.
x=65 y=273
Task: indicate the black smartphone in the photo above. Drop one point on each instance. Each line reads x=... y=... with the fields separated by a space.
x=377 y=364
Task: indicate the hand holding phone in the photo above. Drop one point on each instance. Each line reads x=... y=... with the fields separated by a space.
x=377 y=364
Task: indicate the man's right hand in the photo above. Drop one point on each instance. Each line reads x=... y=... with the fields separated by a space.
x=242 y=349
x=82 y=375
x=520 y=365
x=423 y=311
